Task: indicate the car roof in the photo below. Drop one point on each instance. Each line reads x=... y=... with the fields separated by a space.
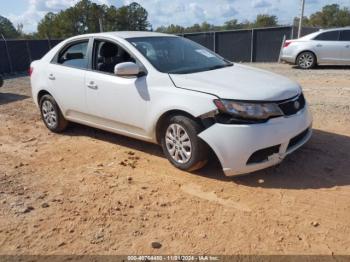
x=314 y=34
x=129 y=34
x=334 y=29
x=132 y=34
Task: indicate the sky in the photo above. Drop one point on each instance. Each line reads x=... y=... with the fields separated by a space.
x=166 y=12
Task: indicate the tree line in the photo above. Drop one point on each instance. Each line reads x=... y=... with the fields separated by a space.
x=330 y=16
x=89 y=17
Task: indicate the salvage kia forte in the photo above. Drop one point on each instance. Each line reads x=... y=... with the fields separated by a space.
x=171 y=91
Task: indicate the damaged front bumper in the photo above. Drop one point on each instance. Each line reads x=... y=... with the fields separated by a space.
x=247 y=148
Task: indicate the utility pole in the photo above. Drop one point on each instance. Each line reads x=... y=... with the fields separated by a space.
x=100 y=23
x=301 y=18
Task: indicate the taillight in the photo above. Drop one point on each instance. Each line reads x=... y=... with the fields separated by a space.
x=30 y=71
x=287 y=43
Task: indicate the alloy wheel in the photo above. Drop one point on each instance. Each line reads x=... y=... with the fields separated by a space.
x=306 y=60
x=178 y=143
x=49 y=114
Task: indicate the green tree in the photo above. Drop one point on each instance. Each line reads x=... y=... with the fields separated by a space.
x=171 y=29
x=231 y=25
x=7 y=29
x=137 y=17
x=85 y=17
x=306 y=21
x=46 y=27
x=330 y=16
x=264 y=20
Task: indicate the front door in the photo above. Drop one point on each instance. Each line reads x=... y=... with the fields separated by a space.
x=116 y=102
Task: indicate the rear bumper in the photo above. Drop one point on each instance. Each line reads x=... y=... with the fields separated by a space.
x=289 y=54
x=288 y=59
x=235 y=144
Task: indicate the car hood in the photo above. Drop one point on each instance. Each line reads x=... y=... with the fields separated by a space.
x=239 y=82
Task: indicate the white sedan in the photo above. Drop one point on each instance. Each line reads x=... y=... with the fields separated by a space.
x=330 y=47
x=171 y=91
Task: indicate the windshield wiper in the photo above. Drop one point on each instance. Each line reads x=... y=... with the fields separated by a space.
x=196 y=70
x=219 y=66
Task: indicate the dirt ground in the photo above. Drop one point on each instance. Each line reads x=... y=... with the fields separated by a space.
x=91 y=192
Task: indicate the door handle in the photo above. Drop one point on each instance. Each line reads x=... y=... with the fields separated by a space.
x=319 y=45
x=51 y=77
x=347 y=46
x=92 y=85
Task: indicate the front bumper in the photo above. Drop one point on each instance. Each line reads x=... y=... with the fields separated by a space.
x=235 y=144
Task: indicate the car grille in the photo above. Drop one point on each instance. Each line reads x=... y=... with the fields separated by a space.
x=293 y=106
x=263 y=154
x=296 y=140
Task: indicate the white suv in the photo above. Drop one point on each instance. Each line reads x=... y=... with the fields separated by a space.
x=324 y=47
x=169 y=90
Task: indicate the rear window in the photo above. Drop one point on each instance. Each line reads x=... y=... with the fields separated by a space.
x=75 y=55
x=345 y=35
x=328 y=36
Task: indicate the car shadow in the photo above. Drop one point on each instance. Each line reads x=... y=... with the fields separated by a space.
x=134 y=144
x=324 y=162
x=6 y=98
x=327 y=67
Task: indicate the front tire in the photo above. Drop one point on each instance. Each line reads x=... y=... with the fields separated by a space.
x=181 y=144
x=52 y=115
x=306 y=60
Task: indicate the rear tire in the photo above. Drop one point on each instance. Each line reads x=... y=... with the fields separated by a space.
x=306 y=60
x=52 y=115
x=181 y=144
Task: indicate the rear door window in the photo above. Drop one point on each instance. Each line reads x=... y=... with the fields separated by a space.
x=75 y=55
x=328 y=36
x=345 y=35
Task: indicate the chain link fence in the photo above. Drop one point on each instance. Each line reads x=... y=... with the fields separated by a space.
x=16 y=55
x=251 y=45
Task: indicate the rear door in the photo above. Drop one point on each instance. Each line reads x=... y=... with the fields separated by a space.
x=66 y=77
x=327 y=47
x=345 y=48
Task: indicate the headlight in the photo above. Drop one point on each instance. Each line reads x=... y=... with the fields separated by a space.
x=251 y=111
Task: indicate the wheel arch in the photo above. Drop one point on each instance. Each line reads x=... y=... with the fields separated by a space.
x=161 y=120
x=41 y=93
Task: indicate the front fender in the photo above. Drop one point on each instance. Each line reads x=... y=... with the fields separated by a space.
x=173 y=98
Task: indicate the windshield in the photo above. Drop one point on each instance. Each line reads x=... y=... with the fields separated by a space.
x=177 y=55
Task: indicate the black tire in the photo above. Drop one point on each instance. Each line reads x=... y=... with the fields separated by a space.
x=199 y=149
x=61 y=123
x=306 y=60
x=1 y=81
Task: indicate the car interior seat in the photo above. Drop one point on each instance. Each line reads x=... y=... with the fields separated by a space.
x=107 y=57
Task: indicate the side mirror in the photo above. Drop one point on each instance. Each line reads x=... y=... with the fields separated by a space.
x=127 y=69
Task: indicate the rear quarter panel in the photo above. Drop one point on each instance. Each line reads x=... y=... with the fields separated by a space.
x=38 y=80
x=297 y=47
